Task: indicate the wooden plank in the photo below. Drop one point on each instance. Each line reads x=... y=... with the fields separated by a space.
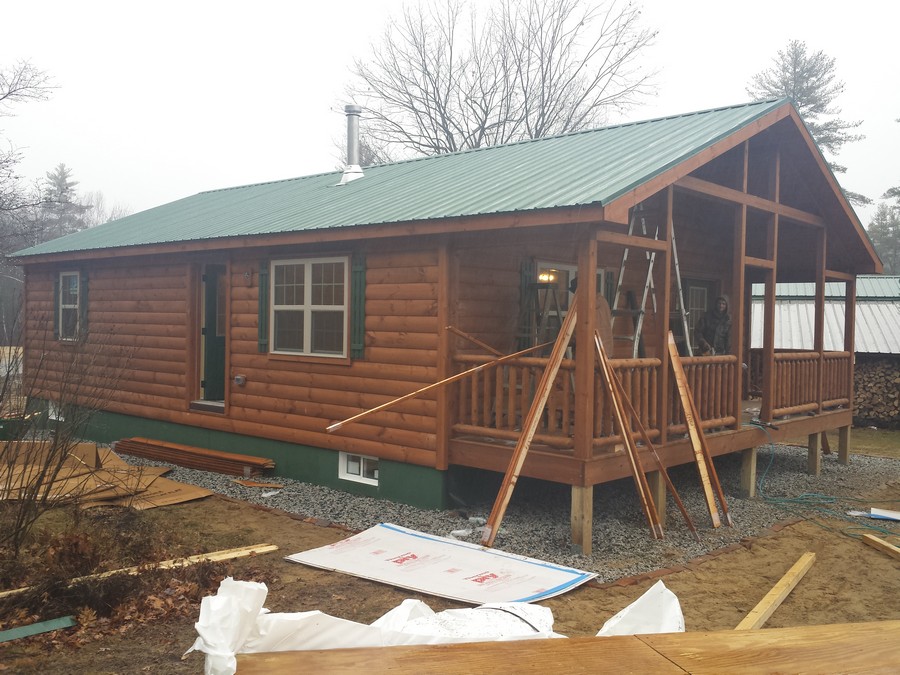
x=529 y=425
x=175 y=563
x=419 y=392
x=860 y=648
x=661 y=467
x=693 y=431
x=881 y=545
x=773 y=599
x=637 y=470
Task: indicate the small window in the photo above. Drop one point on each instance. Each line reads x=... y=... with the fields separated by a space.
x=69 y=305
x=310 y=302
x=358 y=468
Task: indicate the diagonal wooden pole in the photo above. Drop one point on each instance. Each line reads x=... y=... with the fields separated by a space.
x=529 y=427
x=418 y=392
x=691 y=422
x=637 y=470
x=645 y=437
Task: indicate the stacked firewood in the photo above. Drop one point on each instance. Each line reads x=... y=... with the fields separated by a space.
x=877 y=391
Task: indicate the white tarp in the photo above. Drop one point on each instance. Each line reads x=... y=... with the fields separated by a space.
x=656 y=611
x=443 y=567
x=234 y=621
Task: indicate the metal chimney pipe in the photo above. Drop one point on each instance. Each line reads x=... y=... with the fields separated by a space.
x=352 y=171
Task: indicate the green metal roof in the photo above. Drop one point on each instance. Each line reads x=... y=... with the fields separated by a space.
x=578 y=169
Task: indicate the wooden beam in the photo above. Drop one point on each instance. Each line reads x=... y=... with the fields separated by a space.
x=773 y=599
x=582 y=518
x=175 y=563
x=844 y=445
x=748 y=472
x=761 y=263
x=813 y=456
x=529 y=426
x=435 y=385
x=693 y=431
x=731 y=195
x=624 y=423
x=631 y=241
x=881 y=545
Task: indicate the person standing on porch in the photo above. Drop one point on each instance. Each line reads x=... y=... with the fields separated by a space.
x=713 y=331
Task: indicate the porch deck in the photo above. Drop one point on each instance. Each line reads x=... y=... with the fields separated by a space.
x=810 y=396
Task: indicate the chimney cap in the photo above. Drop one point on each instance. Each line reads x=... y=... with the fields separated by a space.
x=352 y=109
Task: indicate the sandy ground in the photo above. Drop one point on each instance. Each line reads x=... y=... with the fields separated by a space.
x=849 y=582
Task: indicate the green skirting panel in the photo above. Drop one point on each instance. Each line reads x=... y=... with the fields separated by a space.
x=418 y=486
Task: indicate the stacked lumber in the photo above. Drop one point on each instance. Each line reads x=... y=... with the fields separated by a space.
x=877 y=387
x=192 y=457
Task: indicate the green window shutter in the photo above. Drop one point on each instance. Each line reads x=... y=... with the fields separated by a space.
x=83 y=302
x=262 y=339
x=358 y=307
x=56 y=308
x=527 y=302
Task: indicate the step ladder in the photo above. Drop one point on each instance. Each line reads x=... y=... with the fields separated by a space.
x=542 y=314
x=638 y=214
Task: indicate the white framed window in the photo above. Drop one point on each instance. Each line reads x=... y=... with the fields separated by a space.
x=358 y=468
x=310 y=306
x=69 y=305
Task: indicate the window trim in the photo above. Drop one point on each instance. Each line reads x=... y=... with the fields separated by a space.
x=61 y=307
x=343 y=474
x=307 y=309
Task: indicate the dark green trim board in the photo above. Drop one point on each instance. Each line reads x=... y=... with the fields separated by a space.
x=56 y=307
x=262 y=341
x=83 y=302
x=358 y=307
x=418 y=486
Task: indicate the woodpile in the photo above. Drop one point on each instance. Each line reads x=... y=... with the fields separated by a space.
x=877 y=391
x=195 y=458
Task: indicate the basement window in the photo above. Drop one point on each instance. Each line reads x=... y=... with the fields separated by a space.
x=358 y=468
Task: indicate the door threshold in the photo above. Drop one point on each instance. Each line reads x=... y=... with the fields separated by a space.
x=208 y=406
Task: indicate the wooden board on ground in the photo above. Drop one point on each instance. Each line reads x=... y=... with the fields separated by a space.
x=857 y=647
x=881 y=545
x=773 y=599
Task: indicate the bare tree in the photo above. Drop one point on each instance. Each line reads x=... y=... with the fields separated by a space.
x=445 y=79
x=19 y=83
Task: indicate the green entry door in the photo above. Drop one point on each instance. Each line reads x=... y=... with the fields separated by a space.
x=213 y=333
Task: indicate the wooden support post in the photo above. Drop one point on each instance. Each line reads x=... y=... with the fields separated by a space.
x=582 y=518
x=657 y=483
x=844 y=445
x=767 y=606
x=814 y=459
x=748 y=473
x=529 y=426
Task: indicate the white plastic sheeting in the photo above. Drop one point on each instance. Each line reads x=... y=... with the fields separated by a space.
x=234 y=621
x=656 y=611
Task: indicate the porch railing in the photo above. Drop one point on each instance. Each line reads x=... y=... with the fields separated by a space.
x=493 y=402
x=712 y=380
x=796 y=381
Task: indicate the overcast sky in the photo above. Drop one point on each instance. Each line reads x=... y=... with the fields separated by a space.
x=158 y=101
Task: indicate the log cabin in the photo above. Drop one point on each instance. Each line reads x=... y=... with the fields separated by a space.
x=250 y=319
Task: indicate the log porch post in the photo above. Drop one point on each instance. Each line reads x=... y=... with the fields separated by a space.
x=739 y=250
x=849 y=346
x=769 y=382
x=663 y=404
x=582 y=516
x=447 y=315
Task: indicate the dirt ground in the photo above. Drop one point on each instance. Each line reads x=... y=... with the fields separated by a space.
x=849 y=582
